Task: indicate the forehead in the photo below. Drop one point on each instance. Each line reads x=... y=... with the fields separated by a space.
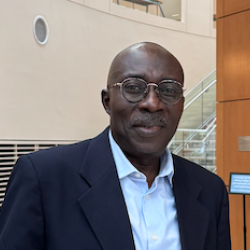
x=153 y=64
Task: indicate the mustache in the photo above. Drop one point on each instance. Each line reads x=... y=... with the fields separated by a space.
x=149 y=120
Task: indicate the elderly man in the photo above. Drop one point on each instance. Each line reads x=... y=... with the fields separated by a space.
x=122 y=190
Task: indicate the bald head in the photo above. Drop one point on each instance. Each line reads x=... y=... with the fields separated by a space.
x=135 y=55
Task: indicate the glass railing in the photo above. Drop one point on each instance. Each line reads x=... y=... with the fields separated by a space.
x=195 y=139
x=165 y=8
x=200 y=103
x=197 y=145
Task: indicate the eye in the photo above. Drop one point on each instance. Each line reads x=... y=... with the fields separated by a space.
x=169 y=90
x=134 y=86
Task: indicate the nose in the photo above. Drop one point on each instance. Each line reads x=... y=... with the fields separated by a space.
x=151 y=102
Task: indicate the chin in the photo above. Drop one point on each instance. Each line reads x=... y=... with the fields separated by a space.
x=148 y=149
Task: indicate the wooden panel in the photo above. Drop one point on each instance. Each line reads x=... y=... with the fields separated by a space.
x=219 y=58
x=219 y=143
x=219 y=8
x=236 y=221
x=233 y=120
x=233 y=109
x=228 y=7
x=248 y=221
x=233 y=57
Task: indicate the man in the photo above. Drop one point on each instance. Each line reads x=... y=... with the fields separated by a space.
x=121 y=190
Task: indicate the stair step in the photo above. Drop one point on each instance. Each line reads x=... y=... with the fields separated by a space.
x=200 y=157
x=199 y=149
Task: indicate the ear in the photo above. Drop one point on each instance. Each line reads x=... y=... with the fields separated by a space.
x=106 y=100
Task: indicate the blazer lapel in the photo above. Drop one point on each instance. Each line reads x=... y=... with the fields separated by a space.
x=193 y=218
x=103 y=204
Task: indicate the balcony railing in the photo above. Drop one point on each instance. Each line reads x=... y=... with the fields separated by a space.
x=164 y=8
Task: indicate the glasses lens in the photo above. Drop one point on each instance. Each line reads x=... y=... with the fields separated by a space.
x=133 y=89
x=170 y=92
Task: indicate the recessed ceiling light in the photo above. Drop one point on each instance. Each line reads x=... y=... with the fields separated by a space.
x=41 y=29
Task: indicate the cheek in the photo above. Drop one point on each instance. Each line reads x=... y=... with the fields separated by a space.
x=175 y=116
x=177 y=110
x=121 y=110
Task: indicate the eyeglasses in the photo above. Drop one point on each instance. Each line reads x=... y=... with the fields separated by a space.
x=135 y=89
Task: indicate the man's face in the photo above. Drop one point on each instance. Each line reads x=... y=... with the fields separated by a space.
x=144 y=128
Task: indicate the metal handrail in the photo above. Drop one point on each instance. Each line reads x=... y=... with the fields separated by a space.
x=209 y=133
x=196 y=97
x=207 y=130
x=197 y=85
x=198 y=130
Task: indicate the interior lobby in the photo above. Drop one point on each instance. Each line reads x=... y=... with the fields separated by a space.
x=55 y=56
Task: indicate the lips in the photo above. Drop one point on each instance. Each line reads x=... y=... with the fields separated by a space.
x=148 y=131
x=149 y=124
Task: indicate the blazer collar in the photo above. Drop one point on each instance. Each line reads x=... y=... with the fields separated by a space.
x=103 y=204
x=105 y=208
x=193 y=217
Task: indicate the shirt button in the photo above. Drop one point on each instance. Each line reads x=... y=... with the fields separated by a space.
x=137 y=175
x=154 y=237
x=147 y=196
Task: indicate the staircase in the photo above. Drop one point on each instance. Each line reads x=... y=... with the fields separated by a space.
x=195 y=138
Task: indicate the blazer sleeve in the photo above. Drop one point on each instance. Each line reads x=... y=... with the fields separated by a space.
x=223 y=229
x=21 y=215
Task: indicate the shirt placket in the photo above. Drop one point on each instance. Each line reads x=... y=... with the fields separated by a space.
x=153 y=235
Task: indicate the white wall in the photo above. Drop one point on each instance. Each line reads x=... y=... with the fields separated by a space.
x=53 y=91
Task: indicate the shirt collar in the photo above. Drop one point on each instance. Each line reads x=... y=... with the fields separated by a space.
x=125 y=168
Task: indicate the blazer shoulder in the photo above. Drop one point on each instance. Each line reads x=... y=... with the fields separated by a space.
x=195 y=171
x=63 y=157
x=61 y=151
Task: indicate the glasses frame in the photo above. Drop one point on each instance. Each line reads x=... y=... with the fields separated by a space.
x=119 y=84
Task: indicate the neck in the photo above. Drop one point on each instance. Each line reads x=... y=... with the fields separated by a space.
x=149 y=167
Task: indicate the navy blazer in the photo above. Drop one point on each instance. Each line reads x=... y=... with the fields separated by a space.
x=69 y=198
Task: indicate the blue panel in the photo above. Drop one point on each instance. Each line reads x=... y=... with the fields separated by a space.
x=239 y=183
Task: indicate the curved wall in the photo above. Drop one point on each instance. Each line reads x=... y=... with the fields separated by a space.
x=52 y=91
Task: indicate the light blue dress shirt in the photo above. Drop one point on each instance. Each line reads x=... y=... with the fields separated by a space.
x=152 y=211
